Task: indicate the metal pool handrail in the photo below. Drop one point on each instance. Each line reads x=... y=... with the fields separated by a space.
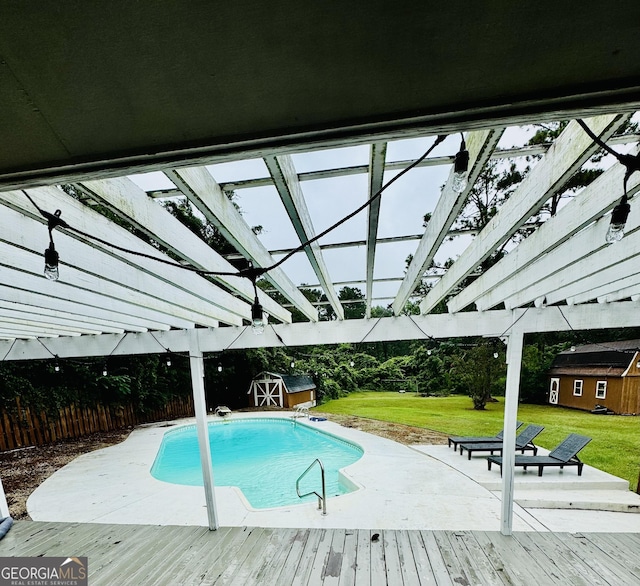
x=322 y=499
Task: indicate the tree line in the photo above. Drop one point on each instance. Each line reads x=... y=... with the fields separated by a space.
x=470 y=366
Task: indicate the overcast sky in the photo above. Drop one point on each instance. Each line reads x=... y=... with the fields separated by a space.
x=403 y=206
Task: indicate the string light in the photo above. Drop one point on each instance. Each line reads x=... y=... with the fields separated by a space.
x=620 y=212
x=257 y=318
x=51 y=259
x=460 y=168
x=619 y=217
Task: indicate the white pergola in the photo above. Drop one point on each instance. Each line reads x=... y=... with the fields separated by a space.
x=82 y=116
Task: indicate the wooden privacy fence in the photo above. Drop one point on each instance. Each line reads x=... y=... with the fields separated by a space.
x=29 y=428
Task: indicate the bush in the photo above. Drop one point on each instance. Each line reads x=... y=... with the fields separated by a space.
x=330 y=389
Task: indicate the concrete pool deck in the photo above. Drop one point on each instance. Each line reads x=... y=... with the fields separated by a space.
x=403 y=487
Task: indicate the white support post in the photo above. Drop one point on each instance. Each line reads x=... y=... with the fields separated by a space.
x=4 y=507
x=514 y=364
x=200 y=404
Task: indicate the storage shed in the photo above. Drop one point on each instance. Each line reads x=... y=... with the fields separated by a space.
x=269 y=389
x=606 y=374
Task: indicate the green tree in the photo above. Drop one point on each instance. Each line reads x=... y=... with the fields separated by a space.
x=480 y=372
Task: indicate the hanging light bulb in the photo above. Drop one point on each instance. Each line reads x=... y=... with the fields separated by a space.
x=619 y=217
x=429 y=352
x=168 y=359
x=352 y=364
x=219 y=367
x=460 y=168
x=105 y=372
x=257 y=318
x=293 y=364
x=56 y=366
x=51 y=259
x=495 y=355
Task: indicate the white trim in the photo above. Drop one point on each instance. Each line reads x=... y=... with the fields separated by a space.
x=633 y=361
x=578 y=386
x=604 y=389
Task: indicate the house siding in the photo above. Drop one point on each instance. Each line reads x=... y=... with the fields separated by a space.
x=614 y=399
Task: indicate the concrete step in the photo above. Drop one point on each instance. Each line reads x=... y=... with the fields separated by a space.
x=622 y=501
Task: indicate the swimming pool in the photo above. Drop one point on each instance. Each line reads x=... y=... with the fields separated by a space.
x=263 y=457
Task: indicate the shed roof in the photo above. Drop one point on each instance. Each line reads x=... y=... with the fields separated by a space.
x=609 y=357
x=584 y=371
x=294 y=383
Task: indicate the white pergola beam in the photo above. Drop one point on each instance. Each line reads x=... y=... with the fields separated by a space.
x=133 y=287
x=201 y=189
x=566 y=236
x=50 y=326
x=286 y=181
x=124 y=198
x=480 y=145
x=568 y=153
x=503 y=153
x=108 y=298
x=212 y=300
x=80 y=310
x=20 y=309
x=377 y=156
x=573 y=261
x=439 y=326
x=624 y=293
x=609 y=280
x=91 y=269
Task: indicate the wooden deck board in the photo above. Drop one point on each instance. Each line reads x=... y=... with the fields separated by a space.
x=471 y=554
x=619 y=548
x=349 y=559
x=141 y=555
x=363 y=558
x=436 y=559
x=292 y=560
x=601 y=563
x=378 y=566
x=458 y=573
x=546 y=549
x=308 y=556
x=511 y=559
x=410 y=572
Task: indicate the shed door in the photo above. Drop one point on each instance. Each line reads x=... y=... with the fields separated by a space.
x=268 y=393
x=554 y=390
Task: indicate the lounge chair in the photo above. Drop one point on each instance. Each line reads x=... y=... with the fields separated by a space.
x=461 y=439
x=564 y=454
x=222 y=411
x=524 y=442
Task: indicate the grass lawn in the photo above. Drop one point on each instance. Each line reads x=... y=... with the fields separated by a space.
x=614 y=447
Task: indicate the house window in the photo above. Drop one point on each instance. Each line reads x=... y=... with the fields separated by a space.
x=601 y=389
x=577 y=388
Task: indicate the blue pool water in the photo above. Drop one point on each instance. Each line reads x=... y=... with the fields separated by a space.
x=263 y=457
